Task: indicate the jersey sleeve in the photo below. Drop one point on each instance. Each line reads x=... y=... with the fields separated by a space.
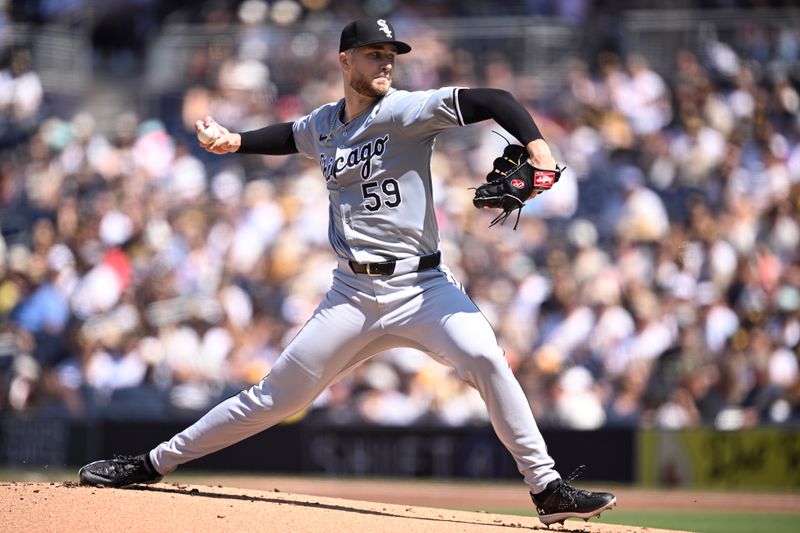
x=306 y=134
x=428 y=112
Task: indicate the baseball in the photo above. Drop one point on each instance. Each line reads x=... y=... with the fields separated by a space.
x=208 y=134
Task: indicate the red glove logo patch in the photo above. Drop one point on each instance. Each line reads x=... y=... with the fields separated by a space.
x=543 y=178
x=518 y=184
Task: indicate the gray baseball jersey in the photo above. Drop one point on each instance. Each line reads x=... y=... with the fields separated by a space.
x=377 y=171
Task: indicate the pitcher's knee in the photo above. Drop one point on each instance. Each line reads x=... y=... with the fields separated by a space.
x=483 y=363
x=265 y=400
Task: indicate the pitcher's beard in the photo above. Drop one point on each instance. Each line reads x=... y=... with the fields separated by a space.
x=364 y=87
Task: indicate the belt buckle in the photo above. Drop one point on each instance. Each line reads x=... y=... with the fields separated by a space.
x=369 y=271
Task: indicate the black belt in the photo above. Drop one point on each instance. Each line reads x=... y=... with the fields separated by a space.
x=387 y=268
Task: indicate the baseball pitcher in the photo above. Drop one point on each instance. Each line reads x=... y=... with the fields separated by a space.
x=390 y=288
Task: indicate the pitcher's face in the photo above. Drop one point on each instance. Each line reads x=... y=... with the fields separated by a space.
x=370 y=68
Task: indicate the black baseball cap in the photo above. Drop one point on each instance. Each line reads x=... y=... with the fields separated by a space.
x=362 y=32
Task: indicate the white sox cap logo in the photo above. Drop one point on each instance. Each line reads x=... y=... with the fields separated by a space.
x=363 y=32
x=384 y=28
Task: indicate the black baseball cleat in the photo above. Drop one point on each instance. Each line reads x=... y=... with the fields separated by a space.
x=560 y=501
x=121 y=471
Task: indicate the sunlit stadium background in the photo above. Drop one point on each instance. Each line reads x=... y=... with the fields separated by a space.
x=649 y=305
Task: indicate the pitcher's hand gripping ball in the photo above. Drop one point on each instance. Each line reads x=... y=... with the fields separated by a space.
x=208 y=134
x=511 y=183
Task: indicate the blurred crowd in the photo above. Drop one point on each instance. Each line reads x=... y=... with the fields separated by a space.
x=657 y=285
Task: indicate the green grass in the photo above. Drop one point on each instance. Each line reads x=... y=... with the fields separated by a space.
x=696 y=521
x=708 y=521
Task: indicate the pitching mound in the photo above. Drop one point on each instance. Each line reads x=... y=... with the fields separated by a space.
x=35 y=507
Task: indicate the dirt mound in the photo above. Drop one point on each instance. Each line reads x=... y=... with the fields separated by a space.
x=66 y=506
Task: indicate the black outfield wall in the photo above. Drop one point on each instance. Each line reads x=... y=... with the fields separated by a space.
x=313 y=448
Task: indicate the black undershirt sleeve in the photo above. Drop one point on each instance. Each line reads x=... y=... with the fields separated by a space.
x=276 y=139
x=482 y=104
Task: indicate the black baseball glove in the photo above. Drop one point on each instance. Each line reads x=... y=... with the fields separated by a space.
x=511 y=182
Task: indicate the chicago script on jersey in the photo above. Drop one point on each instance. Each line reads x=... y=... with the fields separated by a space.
x=360 y=155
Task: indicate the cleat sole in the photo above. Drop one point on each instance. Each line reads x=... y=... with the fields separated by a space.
x=562 y=517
